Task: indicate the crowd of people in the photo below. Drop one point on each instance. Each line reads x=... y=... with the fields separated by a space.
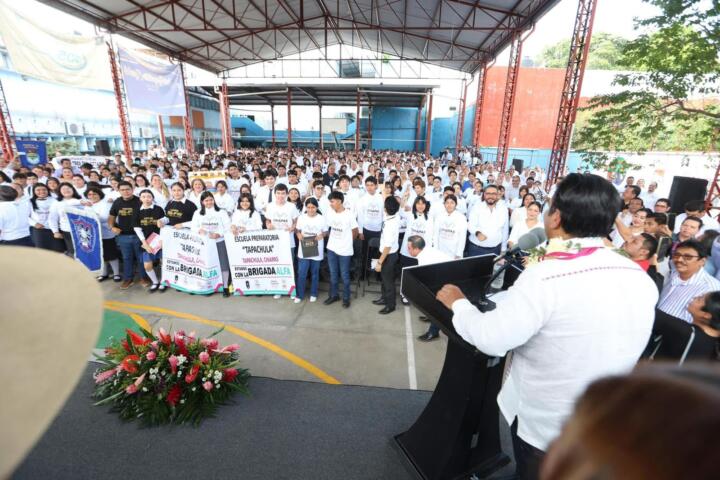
x=383 y=210
x=362 y=207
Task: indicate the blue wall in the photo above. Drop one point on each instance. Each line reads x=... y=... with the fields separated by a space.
x=395 y=128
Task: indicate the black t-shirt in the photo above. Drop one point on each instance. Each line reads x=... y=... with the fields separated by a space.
x=147 y=219
x=328 y=179
x=179 y=212
x=124 y=212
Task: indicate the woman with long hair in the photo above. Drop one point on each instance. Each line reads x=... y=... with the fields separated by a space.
x=159 y=190
x=111 y=254
x=245 y=218
x=295 y=198
x=519 y=213
x=223 y=199
x=141 y=184
x=310 y=224
x=197 y=188
x=57 y=218
x=41 y=201
x=145 y=226
x=212 y=222
x=419 y=222
x=179 y=211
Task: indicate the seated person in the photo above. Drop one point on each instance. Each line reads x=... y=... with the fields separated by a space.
x=687 y=280
x=676 y=333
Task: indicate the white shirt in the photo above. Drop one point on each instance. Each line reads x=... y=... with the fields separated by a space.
x=390 y=234
x=489 y=222
x=234 y=185
x=678 y=293
x=311 y=227
x=417 y=226
x=450 y=233
x=160 y=199
x=283 y=217
x=568 y=323
x=370 y=212
x=242 y=218
x=42 y=214
x=709 y=223
x=225 y=202
x=102 y=211
x=57 y=219
x=213 y=221
x=14 y=219
x=430 y=255
x=194 y=198
x=521 y=229
x=341 y=227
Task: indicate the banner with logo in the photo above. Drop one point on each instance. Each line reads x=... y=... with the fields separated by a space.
x=86 y=237
x=31 y=152
x=261 y=263
x=210 y=177
x=39 y=51
x=190 y=262
x=76 y=161
x=152 y=86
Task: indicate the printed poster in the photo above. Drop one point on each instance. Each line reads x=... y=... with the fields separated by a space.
x=261 y=263
x=190 y=262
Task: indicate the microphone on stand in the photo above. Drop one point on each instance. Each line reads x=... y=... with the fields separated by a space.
x=528 y=241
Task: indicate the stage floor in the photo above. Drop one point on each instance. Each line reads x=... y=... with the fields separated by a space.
x=284 y=429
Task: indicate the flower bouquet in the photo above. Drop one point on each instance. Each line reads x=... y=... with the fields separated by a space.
x=171 y=378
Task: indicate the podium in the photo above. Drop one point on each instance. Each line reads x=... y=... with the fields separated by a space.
x=457 y=434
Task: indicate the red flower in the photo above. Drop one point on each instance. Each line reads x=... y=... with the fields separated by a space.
x=125 y=345
x=174 y=395
x=129 y=363
x=190 y=377
x=137 y=339
x=181 y=346
x=229 y=374
x=164 y=337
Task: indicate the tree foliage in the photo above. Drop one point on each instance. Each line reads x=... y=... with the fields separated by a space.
x=65 y=147
x=605 y=52
x=668 y=101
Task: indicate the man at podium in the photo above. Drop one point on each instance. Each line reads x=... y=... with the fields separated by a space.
x=583 y=312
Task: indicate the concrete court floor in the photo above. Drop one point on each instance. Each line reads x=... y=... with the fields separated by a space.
x=356 y=346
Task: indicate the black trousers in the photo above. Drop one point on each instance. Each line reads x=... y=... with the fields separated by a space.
x=387 y=274
x=366 y=255
x=527 y=458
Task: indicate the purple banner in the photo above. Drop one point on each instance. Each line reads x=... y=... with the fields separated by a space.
x=152 y=86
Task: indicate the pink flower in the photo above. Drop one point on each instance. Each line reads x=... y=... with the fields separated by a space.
x=204 y=357
x=101 y=377
x=191 y=336
x=134 y=387
x=151 y=355
x=154 y=344
x=173 y=361
x=208 y=385
x=228 y=348
x=181 y=333
x=179 y=337
x=210 y=343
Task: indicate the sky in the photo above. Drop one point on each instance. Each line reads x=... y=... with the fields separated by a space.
x=612 y=16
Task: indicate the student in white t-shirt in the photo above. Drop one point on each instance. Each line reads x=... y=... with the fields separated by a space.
x=212 y=222
x=343 y=231
x=310 y=224
x=282 y=215
x=450 y=229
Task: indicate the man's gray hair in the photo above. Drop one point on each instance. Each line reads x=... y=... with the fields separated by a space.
x=416 y=241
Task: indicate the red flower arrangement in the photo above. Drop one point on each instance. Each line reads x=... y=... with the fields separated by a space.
x=172 y=378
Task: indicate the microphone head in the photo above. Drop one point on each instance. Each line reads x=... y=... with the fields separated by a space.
x=540 y=234
x=528 y=241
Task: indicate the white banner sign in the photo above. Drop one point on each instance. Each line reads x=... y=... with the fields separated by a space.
x=261 y=263
x=210 y=177
x=76 y=161
x=190 y=262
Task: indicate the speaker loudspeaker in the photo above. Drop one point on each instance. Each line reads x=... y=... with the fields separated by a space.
x=686 y=189
x=518 y=164
x=102 y=147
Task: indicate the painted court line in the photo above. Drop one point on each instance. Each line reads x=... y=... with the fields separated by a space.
x=136 y=318
x=291 y=357
x=409 y=341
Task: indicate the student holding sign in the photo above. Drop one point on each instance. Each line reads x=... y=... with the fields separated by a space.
x=282 y=215
x=310 y=230
x=213 y=223
x=245 y=218
x=146 y=228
